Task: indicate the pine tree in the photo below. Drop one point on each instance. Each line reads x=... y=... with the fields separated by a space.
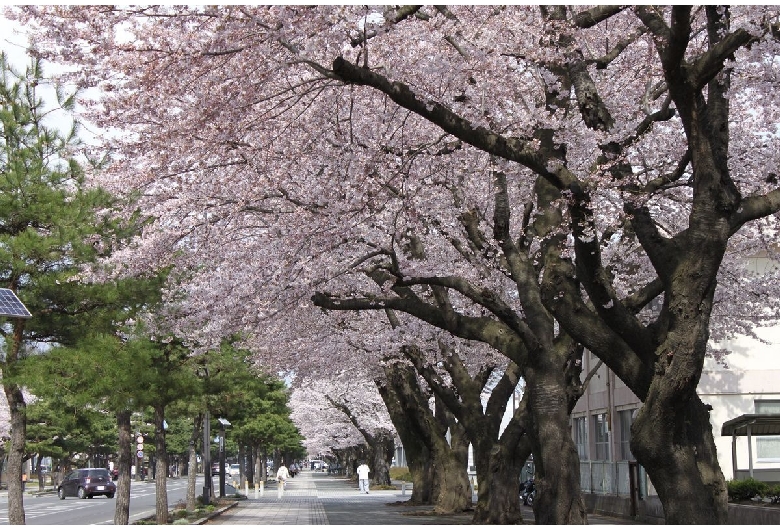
x=52 y=227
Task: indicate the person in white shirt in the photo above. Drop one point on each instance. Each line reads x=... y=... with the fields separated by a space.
x=281 y=476
x=362 y=472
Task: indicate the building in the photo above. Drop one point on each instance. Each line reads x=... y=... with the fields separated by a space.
x=747 y=384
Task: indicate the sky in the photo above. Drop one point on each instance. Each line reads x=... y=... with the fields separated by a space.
x=14 y=44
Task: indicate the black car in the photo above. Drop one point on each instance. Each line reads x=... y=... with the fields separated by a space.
x=87 y=482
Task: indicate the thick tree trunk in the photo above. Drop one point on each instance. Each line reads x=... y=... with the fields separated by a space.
x=674 y=443
x=558 y=499
x=418 y=455
x=438 y=465
x=451 y=487
x=161 y=467
x=499 y=502
x=498 y=481
x=18 y=414
x=452 y=492
x=125 y=439
x=383 y=449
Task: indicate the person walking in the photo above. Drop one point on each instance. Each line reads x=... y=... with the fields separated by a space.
x=282 y=474
x=362 y=472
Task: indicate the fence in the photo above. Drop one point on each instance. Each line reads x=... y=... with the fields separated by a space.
x=612 y=478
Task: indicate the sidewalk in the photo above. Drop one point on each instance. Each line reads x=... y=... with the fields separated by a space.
x=315 y=498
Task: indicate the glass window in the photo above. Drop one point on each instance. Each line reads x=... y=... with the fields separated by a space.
x=601 y=436
x=625 y=418
x=580 y=436
x=767 y=447
x=767 y=406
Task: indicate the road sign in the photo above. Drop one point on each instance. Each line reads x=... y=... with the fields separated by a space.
x=140 y=454
x=140 y=447
x=140 y=439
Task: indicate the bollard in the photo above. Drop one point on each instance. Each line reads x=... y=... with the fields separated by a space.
x=246 y=489
x=262 y=487
x=403 y=488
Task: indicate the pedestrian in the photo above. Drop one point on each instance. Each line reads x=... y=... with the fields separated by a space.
x=281 y=476
x=362 y=472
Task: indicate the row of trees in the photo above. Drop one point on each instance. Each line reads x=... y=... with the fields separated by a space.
x=77 y=371
x=498 y=187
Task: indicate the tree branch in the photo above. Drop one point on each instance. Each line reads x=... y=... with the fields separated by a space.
x=512 y=148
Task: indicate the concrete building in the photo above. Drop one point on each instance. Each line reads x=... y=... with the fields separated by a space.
x=749 y=383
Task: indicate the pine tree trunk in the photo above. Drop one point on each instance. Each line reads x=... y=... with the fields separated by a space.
x=17 y=409
x=192 y=465
x=161 y=467
x=125 y=440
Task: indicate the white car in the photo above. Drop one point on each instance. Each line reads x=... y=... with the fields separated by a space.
x=235 y=470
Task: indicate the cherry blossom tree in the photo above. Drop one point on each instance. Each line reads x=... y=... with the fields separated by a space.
x=525 y=168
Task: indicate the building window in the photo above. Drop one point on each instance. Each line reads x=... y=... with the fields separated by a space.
x=767 y=447
x=601 y=436
x=625 y=418
x=767 y=406
x=580 y=436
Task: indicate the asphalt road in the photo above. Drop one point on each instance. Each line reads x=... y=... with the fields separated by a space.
x=48 y=509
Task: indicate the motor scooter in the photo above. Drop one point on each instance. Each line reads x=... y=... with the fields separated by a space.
x=527 y=492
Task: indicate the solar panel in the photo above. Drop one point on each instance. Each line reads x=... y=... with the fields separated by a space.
x=11 y=306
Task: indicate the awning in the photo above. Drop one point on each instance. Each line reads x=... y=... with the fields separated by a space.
x=749 y=425
x=760 y=424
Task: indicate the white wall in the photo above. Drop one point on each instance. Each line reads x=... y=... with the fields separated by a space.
x=753 y=373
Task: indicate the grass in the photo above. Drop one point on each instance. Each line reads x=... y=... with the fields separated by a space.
x=400 y=473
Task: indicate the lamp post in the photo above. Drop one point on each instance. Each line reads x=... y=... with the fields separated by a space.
x=222 y=424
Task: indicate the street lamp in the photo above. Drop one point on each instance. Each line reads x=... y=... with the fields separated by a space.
x=222 y=424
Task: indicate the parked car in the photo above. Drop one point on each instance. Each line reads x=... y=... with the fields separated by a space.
x=235 y=470
x=215 y=469
x=85 y=483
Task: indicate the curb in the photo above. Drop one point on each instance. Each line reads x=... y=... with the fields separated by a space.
x=215 y=513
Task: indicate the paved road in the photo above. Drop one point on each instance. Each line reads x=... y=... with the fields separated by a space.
x=314 y=498
x=47 y=509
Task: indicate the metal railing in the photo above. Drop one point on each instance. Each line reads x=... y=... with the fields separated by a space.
x=612 y=478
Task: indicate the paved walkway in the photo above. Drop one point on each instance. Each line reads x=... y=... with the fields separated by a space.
x=315 y=498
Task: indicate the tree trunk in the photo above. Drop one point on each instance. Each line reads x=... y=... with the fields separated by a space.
x=18 y=412
x=675 y=445
x=17 y=409
x=383 y=449
x=452 y=491
x=161 y=467
x=192 y=464
x=125 y=440
x=438 y=467
x=558 y=499
x=502 y=504
x=262 y=464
